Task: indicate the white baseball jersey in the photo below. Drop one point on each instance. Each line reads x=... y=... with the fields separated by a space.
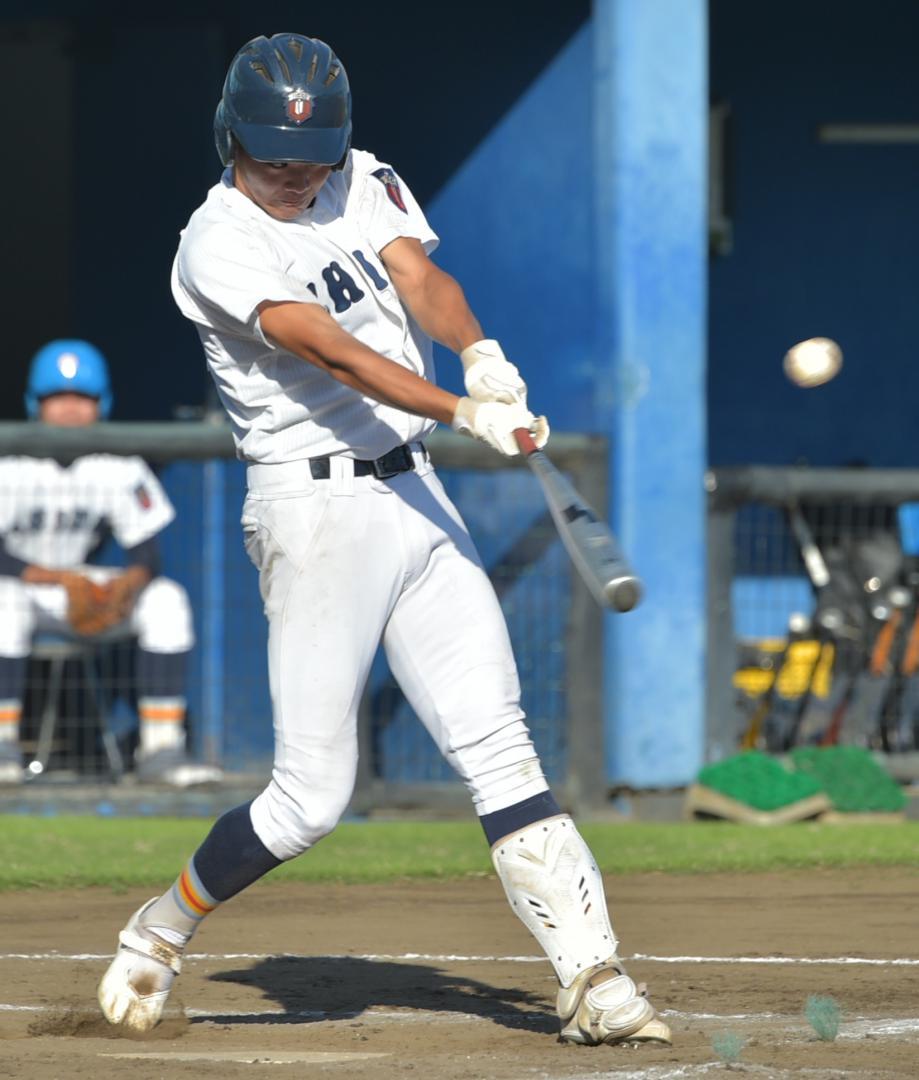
x=233 y=256
x=53 y=515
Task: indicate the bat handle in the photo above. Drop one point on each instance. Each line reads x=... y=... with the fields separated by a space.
x=525 y=441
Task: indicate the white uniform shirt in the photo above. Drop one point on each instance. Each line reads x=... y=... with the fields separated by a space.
x=54 y=515
x=232 y=256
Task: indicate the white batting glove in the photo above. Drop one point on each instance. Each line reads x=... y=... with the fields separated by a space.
x=494 y=422
x=490 y=376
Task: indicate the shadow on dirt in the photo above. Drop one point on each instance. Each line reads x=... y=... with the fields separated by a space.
x=325 y=988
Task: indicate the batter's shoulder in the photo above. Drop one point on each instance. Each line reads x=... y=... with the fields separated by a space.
x=122 y=466
x=214 y=239
x=364 y=163
x=17 y=466
x=214 y=221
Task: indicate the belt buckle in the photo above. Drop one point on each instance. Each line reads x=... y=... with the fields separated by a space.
x=398 y=460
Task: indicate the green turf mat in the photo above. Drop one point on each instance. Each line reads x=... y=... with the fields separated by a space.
x=851 y=777
x=758 y=780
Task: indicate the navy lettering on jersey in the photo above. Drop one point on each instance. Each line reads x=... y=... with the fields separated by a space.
x=71 y=520
x=312 y=289
x=343 y=289
x=59 y=521
x=372 y=272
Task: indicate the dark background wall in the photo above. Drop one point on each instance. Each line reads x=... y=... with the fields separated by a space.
x=109 y=120
x=826 y=237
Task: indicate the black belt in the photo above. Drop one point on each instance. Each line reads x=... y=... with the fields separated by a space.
x=398 y=460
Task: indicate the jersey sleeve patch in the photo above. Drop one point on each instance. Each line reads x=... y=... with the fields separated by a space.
x=389 y=181
x=143 y=496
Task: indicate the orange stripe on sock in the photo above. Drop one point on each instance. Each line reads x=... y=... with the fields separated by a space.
x=10 y=716
x=191 y=897
x=171 y=715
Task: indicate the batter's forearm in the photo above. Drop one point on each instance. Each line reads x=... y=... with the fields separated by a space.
x=441 y=310
x=315 y=337
x=391 y=384
x=42 y=575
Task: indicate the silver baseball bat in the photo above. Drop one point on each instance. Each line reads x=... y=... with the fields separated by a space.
x=589 y=541
x=810 y=554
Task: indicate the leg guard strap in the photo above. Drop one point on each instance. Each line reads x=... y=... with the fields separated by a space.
x=158 y=950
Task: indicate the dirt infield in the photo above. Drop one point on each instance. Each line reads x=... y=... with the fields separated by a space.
x=437 y=980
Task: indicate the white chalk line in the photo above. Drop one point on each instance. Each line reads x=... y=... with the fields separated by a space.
x=448 y=958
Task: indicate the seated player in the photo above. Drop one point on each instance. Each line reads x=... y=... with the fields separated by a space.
x=53 y=516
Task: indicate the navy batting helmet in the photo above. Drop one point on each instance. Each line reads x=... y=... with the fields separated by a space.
x=285 y=98
x=68 y=366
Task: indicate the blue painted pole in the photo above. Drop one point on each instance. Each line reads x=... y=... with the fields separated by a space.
x=214 y=616
x=650 y=116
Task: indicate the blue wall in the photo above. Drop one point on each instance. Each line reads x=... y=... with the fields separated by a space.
x=142 y=88
x=516 y=222
x=586 y=256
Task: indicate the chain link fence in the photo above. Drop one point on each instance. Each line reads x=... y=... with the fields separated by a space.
x=814 y=610
x=80 y=712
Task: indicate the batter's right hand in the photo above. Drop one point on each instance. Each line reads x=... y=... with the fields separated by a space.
x=494 y=423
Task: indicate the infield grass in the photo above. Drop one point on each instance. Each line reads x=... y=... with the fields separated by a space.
x=67 y=852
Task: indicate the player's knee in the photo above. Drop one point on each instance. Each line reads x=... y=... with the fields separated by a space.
x=163 y=617
x=17 y=618
x=289 y=820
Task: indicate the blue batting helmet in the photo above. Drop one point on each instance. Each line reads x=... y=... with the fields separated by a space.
x=285 y=98
x=68 y=366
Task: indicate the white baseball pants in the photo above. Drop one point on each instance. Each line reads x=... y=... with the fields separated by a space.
x=344 y=563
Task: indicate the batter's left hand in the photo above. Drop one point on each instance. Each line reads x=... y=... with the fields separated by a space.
x=490 y=376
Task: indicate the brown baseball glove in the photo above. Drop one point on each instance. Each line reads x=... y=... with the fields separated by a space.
x=91 y=608
x=122 y=591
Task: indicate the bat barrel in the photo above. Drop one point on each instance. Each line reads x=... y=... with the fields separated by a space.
x=622 y=594
x=588 y=540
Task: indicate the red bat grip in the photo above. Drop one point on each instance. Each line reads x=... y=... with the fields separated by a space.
x=525 y=441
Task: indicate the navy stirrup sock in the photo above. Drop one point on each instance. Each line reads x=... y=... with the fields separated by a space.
x=536 y=808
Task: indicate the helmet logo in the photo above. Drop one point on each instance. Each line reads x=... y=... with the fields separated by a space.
x=299 y=106
x=67 y=364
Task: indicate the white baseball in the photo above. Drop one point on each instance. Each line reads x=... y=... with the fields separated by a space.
x=813 y=362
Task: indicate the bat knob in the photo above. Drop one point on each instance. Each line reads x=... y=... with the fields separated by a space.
x=623 y=593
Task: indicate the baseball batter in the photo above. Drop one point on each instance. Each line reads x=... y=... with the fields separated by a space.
x=53 y=516
x=307 y=274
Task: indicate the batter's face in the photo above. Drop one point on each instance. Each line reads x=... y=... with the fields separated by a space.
x=282 y=189
x=68 y=410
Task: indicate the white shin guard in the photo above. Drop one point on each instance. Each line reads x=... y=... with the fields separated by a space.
x=554 y=886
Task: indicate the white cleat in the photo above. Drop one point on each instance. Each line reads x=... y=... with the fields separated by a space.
x=134 y=990
x=603 y=1005
x=11 y=773
x=172 y=768
x=192 y=774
